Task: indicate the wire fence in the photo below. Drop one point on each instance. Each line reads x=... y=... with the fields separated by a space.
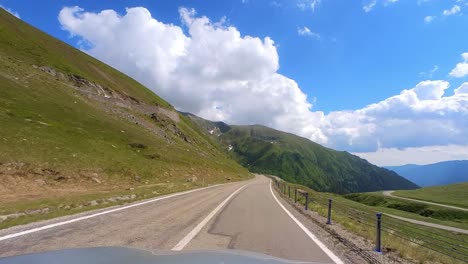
x=441 y=242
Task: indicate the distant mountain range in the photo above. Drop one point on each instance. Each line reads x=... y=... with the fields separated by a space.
x=442 y=173
x=265 y=150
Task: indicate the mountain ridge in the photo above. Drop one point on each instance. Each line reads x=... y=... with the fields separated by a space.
x=297 y=159
x=440 y=173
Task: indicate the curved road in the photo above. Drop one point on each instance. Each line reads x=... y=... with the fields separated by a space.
x=389 y=193
x=241 y=215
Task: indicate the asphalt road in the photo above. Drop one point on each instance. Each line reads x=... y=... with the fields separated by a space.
x=243 y=215
x=389 y=193
x=444 y=227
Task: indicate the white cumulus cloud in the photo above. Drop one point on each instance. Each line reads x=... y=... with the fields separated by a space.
x=369 y=6
x=212 y=70
x=461 y=69
x=429 y=19
x=308 y=4
x=452 y=11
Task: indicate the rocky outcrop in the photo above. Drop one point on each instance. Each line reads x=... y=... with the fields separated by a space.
x=164 y=121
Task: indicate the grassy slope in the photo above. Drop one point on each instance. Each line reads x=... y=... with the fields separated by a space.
x=300 y=160
x=413 y=210
x=453 y=194
x=46 y=124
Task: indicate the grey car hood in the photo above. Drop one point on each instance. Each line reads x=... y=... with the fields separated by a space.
x=122 y=255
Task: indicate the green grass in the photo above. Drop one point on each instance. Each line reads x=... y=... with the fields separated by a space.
x=47 y=124
x=413 y=210
x=453 y=194
x=360 y=218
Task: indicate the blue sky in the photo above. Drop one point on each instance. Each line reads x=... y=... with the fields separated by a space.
x=343 y=55
x=360 y=58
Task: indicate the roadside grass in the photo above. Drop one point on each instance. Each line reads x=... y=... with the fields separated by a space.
x=409 y=241
x=414 y=210
x=453 y=194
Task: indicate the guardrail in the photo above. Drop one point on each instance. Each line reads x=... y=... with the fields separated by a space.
x=440 y=242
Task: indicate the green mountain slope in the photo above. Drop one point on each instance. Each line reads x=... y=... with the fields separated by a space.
x=71 y=124
x=299 y=160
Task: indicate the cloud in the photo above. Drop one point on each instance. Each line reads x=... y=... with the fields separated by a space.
x=389 y=2
x=452 y=11
x=429 y=19
x=305 y=31
x=463 y=89
x=429 y=73
x=369 y=6
x=308 y=4
x=461 y=69
x=421 y=156
x=420 y=2
x=214 y=71
x=10 y=11
x=275 y=4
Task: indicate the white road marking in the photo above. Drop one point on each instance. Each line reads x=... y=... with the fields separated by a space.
x=308 y=233
x=184 y=242
x=100 y=213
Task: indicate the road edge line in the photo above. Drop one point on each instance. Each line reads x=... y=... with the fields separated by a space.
x=184 y=242
x=37 y=229
x=319 y=243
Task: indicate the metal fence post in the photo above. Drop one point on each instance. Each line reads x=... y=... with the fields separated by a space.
x=329 y=211
x=378 y=242
x=295 y=195
x=307 y=201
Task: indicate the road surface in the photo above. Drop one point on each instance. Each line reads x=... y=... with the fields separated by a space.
x=242 y=215
x=444 y=227
x=389 y=193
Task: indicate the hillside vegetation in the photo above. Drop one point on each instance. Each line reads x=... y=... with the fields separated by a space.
x=425 y=210
x=441 y=173
x=73 y=126
x=299 y=160
x=453 y=194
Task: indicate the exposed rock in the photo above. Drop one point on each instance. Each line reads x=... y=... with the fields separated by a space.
x=122 y=198
x=40 y=182
x=192 y=179
x=38 y=211
x=96 y=180
x=93 y=203
x=60 y=178
x=50 y=172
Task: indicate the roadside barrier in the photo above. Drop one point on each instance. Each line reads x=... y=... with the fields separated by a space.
x=448 y=244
